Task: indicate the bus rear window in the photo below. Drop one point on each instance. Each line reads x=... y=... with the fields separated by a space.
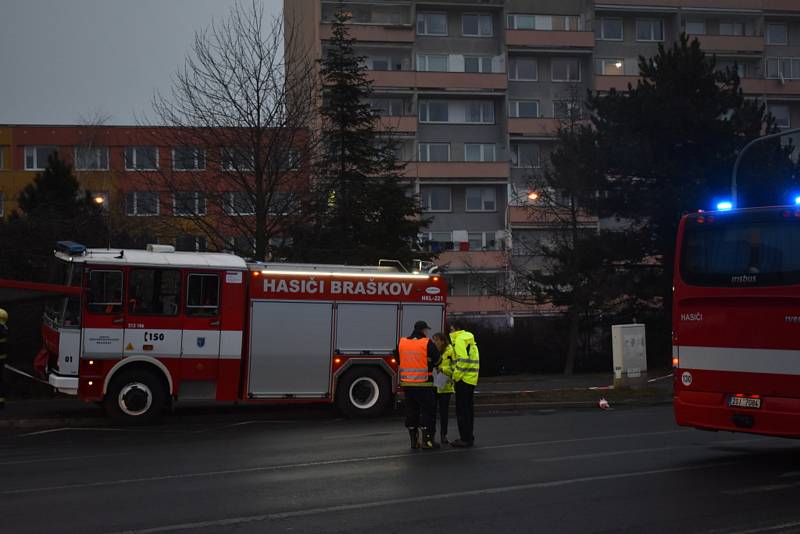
x=746 y=253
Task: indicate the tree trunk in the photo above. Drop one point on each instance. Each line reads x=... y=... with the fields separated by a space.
x=572 y=344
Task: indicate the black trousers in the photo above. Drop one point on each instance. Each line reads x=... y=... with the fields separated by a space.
x=421 y=408
x=465 y=411
x=443 y=400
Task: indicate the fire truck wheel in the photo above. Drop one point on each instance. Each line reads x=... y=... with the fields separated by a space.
x=363 y=392
x=136 y=396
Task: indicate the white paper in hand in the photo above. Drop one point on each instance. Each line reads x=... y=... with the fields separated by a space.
x=439 y=378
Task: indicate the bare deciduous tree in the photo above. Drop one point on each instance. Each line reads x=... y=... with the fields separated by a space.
x=237 y=120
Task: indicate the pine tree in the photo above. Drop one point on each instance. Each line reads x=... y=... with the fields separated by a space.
x=361 y=209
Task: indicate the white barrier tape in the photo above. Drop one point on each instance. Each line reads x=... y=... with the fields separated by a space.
x=26 y=375
x=659 y=378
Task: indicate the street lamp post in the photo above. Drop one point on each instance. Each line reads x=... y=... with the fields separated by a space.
x=746 y=147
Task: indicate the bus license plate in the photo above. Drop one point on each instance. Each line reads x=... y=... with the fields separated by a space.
x=744 y=402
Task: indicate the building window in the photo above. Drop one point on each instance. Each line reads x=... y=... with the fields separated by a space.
x=734 y=66
x=523 y=69
x=777 y=34
x=484 y=241
x=480 y=152
x=696 y=27
x=190 y=243
x=242 y=245
x=239 y=203
x=431 y=24
x=566 y=70
x=202 y=295
x=189 y=203
x=154 y=291
x=781 y=114
x=438 y=241
x=432 y=63
x=3 y=156
x=544 y=22
x=141 y=158
x=610 y=29
x=435 y=198
x=521 y=22
x=481 y=199
x=732 y=28
x=141 y=203
x=566 y=109
x=523 y=109
x=784 y=67
x=524 y=155
x=91 y=158
x=610 y=67
x=434 y=111
x=188 y=159
x=379 y=63
x=476 y=25
x=387 y=107
x=649 y=30
x=434 y=151
x=477 y=64
x=480 y=112
x=236 y=159
x=281 y=203
x=36 y=157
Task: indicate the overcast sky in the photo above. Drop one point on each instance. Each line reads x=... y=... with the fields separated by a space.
x=61 y=60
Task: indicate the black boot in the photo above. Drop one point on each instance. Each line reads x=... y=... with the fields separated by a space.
x=427 y=440
x=413 y=434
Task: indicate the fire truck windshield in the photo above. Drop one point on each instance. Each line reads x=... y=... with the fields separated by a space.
x=741 y=250
x=64 y=311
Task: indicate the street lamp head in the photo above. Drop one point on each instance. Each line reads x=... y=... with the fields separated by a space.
x=99 y=200
x=533 y=196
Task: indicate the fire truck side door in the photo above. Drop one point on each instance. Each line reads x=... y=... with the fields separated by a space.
x=202 y=319
x=103 y=322
x=152 y=319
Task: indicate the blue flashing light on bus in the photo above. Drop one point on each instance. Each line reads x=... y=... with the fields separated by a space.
x=725 y=205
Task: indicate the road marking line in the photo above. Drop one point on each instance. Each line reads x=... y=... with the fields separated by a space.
x=61 y=458
x=54 y=430
x=320 y=463
x=770 y=528
x=790 y=474
x=761 y=489
x=426 y=498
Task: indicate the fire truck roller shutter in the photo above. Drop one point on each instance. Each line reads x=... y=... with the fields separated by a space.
x=368 y=328
x=433 y=314
x=290 y=349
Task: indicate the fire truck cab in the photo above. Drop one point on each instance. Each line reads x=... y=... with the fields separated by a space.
x=149 y=327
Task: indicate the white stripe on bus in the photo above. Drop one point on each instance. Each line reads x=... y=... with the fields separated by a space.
x=774 y=361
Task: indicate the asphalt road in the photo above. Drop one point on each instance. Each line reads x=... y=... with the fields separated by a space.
x=627 y=470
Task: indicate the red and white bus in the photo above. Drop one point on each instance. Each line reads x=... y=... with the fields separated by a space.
x=138 y=329
x=736 y=321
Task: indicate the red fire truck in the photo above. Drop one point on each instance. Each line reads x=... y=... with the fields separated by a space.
x=736 y=321
x=137 y=329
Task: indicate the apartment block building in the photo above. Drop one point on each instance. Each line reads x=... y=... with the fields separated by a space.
x=476 y=89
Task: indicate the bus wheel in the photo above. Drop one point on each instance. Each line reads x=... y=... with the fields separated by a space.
x=363 y=392
x=137 y=396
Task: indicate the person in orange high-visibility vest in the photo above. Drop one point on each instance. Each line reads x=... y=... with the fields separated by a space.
x=418 y=356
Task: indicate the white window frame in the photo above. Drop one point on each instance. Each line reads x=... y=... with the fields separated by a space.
x=734 y=24
x=424 y=109
x=484 y=105
x=136 y=204
x=485 y=149
x=391 y=104
x=423 y=62
x=794 y=68
x=134 y=153
x=602 y=62
x=229 y=205
x=703 y=22
x=34 y=149
x=567 y=80
x=421 y=18
x=515 y=70
x=199 y=210
x=788 y=115
x=511 y=21
x=650 y=22
x=483 y=61
x=785 y=32
x=428 y=237
x=480 y=16
x=513 y=108
x=602 y=34
x=516 y=161
x=484 y=199
x=196 y=167
x=426 y=208
x=97 y=152
x=425 y=148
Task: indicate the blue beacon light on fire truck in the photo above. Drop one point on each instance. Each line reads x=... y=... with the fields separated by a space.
x=725 y=205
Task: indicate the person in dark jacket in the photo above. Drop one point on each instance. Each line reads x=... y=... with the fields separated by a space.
x=418 y=356
x=3 y=354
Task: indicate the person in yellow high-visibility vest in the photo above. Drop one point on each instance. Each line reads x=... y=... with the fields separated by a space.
x=3 y=353
x=465 y=377
x=418 y=356
x=446 y=367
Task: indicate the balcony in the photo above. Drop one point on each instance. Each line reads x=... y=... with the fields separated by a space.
x=473 y=260
x=620 y=83
x=461 y=80
x=539 y=126
x=781 y=5
x=404 y=124
x=731 y=43
x=458 y=169
x=393 y=78
x=753 y=86
x=711 y=4
x=550 y=39
x=373 y=33
x=522 y=216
